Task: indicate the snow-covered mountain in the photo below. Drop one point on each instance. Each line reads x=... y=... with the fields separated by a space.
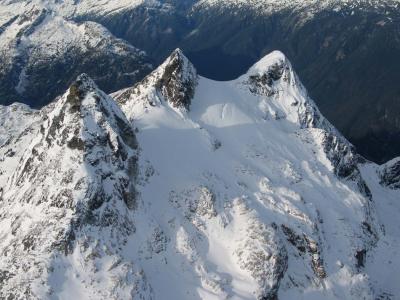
x=329 y=42
x=268 y=6
x=39 y=44
x=68 y=8
x=181 y=187
x=73 y=8
x=68 y=196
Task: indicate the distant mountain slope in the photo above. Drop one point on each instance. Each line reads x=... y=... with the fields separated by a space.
x=38 y=46
x=193 y=188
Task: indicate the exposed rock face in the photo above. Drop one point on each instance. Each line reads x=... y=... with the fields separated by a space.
x=174 y=82
x=263 y=254
x=305 y=244
x=390 y=174
x=263 y=84
x=178 y=82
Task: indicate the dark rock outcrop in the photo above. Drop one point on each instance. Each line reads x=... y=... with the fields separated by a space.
x=390 y=174
x=174 y=82
x=178 y=81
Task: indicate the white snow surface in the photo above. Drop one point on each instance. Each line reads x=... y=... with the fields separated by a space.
x=251 y=152
x=237 y=198
x=14 y=119
x=45 y=35
x=71 y=8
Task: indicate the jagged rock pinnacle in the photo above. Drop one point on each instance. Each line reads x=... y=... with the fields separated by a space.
x=178 y=80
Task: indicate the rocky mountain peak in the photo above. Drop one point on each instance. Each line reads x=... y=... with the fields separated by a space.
x=274 y=58
x=76 y=170
x=178 y=53
x=250 y=194
x=41 y=44
x=173 y=82
x=273 y=78
x=270 y=70
x=78 y=90
x=84 y=82
x=177 y=80
x=85 y=121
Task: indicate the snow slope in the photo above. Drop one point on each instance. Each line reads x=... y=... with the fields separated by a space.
x=71 y=8
x=280 y=221
x=14 y=119
x=65 y=195
x=194 y=189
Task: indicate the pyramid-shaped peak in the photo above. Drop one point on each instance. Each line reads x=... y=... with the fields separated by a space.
x=177 y=79
x=83 y=122
x=179 y=56
x=85 y=109
x=179 y=53
x=179 y=64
